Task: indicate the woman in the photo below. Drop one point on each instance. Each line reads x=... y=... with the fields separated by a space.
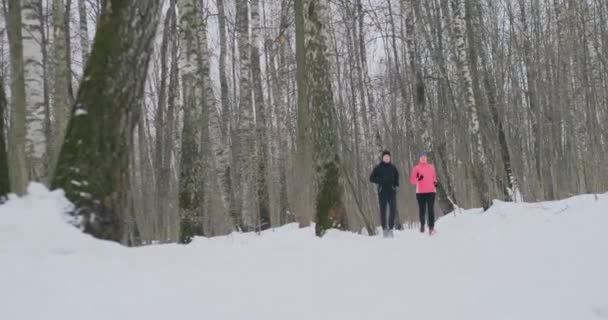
x=424 y=177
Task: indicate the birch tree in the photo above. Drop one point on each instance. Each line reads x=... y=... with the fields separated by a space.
x=93 y=162
x=4 y=178
x=480 y=158
x=246 y=152
x=329 y=208
x=18 y=167
x=33 y=68
x=224 y=98
x=219 y=161
x=84 y=30
x=191 y=183
x=61 y=94
x=261 y=121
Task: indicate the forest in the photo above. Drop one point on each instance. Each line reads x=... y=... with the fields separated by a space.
x=167 y=119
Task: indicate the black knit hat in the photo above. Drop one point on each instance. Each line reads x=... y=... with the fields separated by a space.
x=386 y=152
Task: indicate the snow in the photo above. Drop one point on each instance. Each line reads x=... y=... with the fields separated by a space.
x=517 y=261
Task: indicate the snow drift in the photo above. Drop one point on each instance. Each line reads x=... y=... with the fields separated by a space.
x=517 y=261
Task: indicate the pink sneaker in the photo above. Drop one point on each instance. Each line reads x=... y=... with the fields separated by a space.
x=431 y=232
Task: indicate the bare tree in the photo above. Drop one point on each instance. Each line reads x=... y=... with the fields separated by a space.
x=191 y=166
x=261 y=121
x=4 y=178
x=92 y=167
x=35 y=86
x=479 y=152
x=246 y=152
x=84 y=30
x=61 y=92
x=18 y=167
x=329 y=208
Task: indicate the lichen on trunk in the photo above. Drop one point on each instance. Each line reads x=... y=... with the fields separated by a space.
x=93 y=162
x=329 y=208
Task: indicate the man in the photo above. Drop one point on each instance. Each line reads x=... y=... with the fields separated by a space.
x=424 y=178
x=386 y=176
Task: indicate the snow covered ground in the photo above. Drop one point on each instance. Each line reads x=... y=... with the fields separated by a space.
x=517 y=261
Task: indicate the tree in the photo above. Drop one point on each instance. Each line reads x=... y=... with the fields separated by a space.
x=84 y=30
x=316 y=84
x=303 y=204
x=35 y=86
x=246 y=151
x=17 y=162
x=61 y=93
x=5 y=186
x=223 y=79
x=191 y=166
x=93 y=162
x=261 y=122
x=480 y=158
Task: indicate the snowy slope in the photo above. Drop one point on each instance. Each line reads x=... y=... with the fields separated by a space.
x=517 y=261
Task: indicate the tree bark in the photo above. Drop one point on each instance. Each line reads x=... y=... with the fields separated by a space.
x=246 y=155
x=35 y=86
x=225 y=103
x=84 y=31
x=303 y=207
x=5 y=186
x=61 y=94
x=191 y=188
x=480 y=159
x=17 y=159
x=93 y=162
x=261 y=122
x=328 y=191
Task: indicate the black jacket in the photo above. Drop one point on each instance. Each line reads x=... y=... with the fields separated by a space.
x=386 y=176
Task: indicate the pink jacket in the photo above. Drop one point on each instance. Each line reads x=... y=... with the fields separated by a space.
x=427 y=184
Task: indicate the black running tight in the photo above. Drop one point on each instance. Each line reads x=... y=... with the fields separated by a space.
x=426 y=201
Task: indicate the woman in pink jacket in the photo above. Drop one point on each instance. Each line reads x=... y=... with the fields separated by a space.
x=424 y=178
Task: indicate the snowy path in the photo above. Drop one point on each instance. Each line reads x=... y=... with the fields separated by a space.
x=518 y=261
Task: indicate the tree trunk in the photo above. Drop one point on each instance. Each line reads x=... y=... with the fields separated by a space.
x=282 y=111
x=17 y=160
x=191 y=175
x=480 y=159
x=303 y=202
x=246 y=157
x=261 y=121
x=169 y=209
x=159 y=120
x=34 y=77
x=511 y=192
x=93 y=162
x=329 y=208
x=61 y=94
x=5 y=186
x=371 y=104
x=225 y=103
x=533 y=102
x=84 y=31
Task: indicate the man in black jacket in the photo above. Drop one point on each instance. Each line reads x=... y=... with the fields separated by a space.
x=386 y=176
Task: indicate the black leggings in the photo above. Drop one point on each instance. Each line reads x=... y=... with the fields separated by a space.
x=387 y=197
x=426 y=200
